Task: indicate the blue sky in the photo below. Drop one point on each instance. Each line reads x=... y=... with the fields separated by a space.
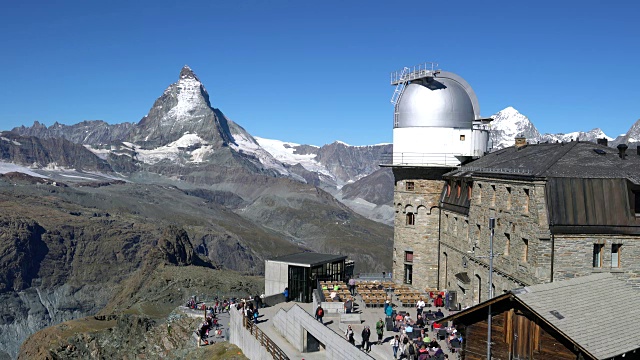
x=315 y=72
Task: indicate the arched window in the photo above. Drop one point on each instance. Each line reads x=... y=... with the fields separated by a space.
x=411 y=219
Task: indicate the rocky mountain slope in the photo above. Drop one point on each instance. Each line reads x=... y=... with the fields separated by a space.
x=81 y=219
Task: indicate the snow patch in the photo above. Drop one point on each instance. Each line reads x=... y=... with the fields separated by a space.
x=284 y=152
x=9 y=167
x=11 y=141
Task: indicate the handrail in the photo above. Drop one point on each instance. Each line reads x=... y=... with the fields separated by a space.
x=264 y=339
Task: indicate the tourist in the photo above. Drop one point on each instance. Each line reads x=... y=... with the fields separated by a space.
x=423 y=353
x=411 y=351
x=439 y=314
x=388 y=309
x=404 y=341
x=366 y=335
x=349 y=336
x=380 y=330
x=319 y=314
x=286 y=294
x=352 y=286
x=395 y=344
x=419 y=306
x=420 y=322
x=336 y=287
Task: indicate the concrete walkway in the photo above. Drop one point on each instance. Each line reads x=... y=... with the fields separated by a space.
x=264 y=324
x=369 y=316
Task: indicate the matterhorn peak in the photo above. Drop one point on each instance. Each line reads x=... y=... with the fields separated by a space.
x=187 y=73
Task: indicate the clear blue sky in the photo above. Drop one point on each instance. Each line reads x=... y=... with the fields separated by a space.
x=317 y=71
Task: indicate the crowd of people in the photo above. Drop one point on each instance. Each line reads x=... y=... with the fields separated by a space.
x=411 y=339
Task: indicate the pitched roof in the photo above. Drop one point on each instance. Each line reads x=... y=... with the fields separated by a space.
x=598 y=312
x=590 y=310
x=577 y=159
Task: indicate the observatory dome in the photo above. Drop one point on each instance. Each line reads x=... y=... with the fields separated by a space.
x=443 y=101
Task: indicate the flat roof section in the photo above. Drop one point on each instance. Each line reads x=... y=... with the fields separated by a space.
x=309 y=258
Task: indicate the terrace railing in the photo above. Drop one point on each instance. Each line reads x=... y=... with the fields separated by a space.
x=264 y=340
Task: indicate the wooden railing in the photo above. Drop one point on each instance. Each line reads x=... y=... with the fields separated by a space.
x=264 y=340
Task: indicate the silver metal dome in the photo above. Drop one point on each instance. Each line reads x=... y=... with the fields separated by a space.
x=446 y=100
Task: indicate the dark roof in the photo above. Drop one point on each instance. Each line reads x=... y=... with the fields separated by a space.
x=593 y=206
x=589 y=188
x=577 y=319
x=577 y=159
x=309 y=258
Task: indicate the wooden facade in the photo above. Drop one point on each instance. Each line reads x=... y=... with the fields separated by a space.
x=516 y=334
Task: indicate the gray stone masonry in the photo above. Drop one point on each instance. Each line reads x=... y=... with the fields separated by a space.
x=417 y=194
x=521 y=239
x=523 y=243
x=574 y=256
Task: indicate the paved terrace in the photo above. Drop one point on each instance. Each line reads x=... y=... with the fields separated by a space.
x=368 y=315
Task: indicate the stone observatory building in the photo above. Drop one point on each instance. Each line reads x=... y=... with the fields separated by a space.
x=436 y=128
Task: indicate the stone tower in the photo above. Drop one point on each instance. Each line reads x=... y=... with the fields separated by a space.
x=436 y=128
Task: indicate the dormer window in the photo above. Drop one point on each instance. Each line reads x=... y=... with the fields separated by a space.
x=636 y=202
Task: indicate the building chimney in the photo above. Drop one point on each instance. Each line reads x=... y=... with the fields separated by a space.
x=603 y=141
x=622 y=148
x=520 y=141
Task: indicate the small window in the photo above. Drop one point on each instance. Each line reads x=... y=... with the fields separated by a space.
x=409 y=186
x=597 y=255
x=469 y=191
x=493 y=195
x=526 y=201
x=408 y=256
x=448 y=188
x=408 y=274
x=462 y=137
x=458 y=189
x=615 y=255
x=525 y=250
x=411 y=219
x=507 y=244
x=508 y=198
x=479 y=194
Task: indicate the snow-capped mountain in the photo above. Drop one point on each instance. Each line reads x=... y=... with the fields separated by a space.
x=183 y=108
x=591 y=135
x=509 y=123
x=337 y=162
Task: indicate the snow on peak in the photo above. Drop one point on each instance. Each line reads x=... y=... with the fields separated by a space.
x=341 y=143
x=189 y=93
x=187 y=73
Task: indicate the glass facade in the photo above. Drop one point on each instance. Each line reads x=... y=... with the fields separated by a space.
x=302 y=280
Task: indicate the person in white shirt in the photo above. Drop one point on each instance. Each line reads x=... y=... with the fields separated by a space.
x=420 y=305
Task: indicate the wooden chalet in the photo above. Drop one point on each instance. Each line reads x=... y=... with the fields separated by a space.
x=591 y=317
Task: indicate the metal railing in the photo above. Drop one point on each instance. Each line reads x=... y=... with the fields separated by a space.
x=427 y=69
x=497 y=170
x=264 y=340
x=420 y=159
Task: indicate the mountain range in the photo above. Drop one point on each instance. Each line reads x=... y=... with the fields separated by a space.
x=85 y=207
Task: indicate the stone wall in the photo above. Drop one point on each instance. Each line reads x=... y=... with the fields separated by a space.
x=521 y=239
x=417 y=193
x=574 y=257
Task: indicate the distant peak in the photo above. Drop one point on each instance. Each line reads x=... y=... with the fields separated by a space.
x=187 y=73
x=510 y=109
